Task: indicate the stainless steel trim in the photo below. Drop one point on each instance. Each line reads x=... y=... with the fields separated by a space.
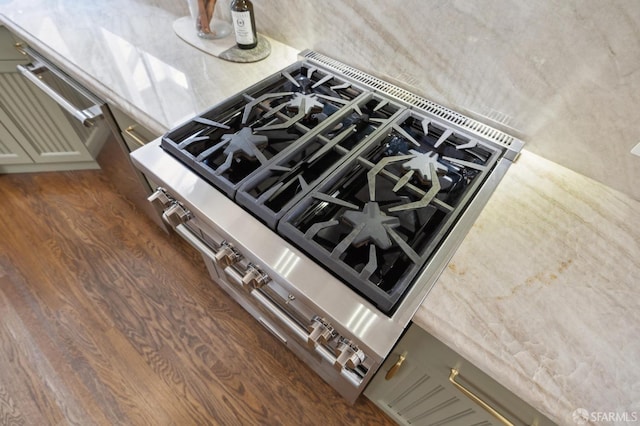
x=489 y=133
x=86 y=116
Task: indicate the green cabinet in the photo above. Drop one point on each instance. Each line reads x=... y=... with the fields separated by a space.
x=424 y=382
x=134 y=134
x=36 y=134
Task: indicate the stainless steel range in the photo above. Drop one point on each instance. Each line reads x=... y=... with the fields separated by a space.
x=327 y=202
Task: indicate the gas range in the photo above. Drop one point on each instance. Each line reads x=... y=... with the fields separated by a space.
x=327 y=202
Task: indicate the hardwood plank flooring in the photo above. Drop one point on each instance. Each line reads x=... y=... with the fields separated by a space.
x=105 y=319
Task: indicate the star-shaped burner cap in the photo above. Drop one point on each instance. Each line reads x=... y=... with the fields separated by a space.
x=243 y=142
x=420 y=164
x=308 y=101
x=372 y=224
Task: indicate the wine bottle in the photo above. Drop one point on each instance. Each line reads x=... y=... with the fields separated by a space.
x=244 y=24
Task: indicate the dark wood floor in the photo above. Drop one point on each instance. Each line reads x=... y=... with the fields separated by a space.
x=107 y=320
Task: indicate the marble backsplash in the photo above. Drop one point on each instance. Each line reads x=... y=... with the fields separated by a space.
x=562 y=75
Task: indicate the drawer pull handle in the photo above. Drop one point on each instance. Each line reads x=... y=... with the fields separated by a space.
x=394 y=369
x=87 y=116
x=39 y=65
x=130 y=131
x=476 y=399
x=20 y=48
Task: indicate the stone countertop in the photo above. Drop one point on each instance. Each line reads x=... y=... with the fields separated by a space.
x=543 y=292
x=541 y=295
x=127 y=53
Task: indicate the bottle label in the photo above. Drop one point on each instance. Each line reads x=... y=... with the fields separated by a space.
x=242 y=27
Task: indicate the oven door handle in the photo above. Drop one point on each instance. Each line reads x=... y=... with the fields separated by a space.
x=194 y=241
x=273 y=310
x=39 y=65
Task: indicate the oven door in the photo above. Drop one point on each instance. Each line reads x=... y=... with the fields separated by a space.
x=273 y=305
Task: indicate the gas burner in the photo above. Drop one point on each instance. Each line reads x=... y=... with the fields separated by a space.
x=244 y=142
x=306 y=92
x=304 y=83
x=232 y=141
x=307 y=102
x=302 y=105
x=370 y=229
x=427 y=197
x=370 y=225
x=359 y=119
x=381 y=215
x=422 y=162
x=301 y=83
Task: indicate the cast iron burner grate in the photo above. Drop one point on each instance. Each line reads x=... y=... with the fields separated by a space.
x=277 y=187
x=234 y=139
x=380 y=216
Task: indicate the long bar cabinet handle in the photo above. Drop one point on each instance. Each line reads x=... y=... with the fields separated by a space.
x=38 y=65
x=131 y=132
x=86 y=116
x=472 y=396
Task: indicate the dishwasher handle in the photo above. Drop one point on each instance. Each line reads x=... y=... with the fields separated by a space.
x=31 y=72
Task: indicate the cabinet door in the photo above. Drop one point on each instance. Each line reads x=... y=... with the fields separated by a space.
x=422 y=391
x=10 y=150
x=38 y=124
x=37 y=133
x=50 y=135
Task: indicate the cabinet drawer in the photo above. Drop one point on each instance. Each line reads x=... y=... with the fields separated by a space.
x=8 y=52
x=423 y=390
x=134 y=134
x=10 y=58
